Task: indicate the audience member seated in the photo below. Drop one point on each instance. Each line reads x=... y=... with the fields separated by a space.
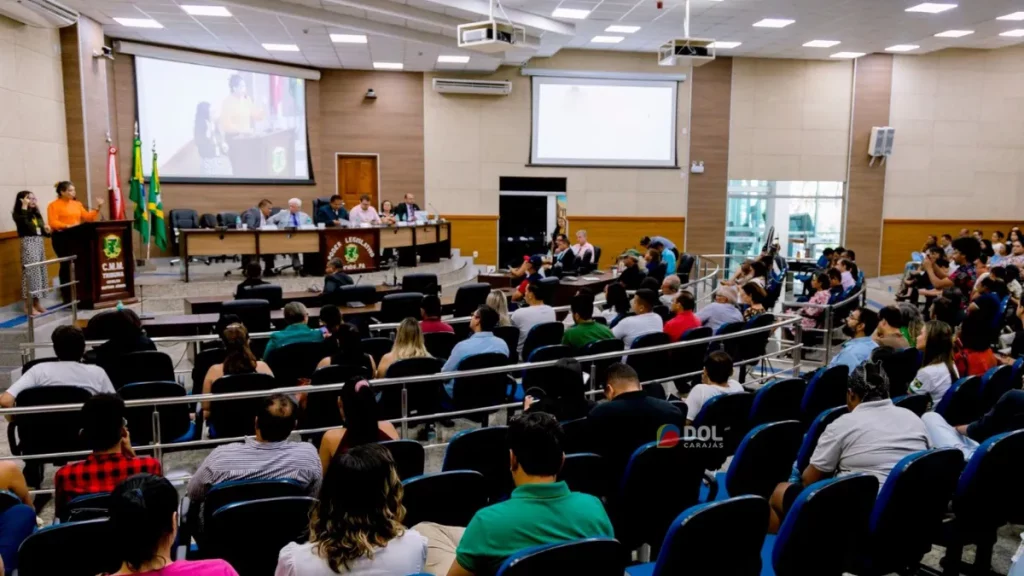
x=144 y=518
x=670 y=289
x=889 y=331
x=253 y=277
x=654 y=266
x=364 y=213
x=759 y=273
x=563 y=394
x=667 y=256
x=346 y=349
x=753 y=295
x=940 y=267
x=820 y=283
x=835 y=290
x=498 y=301
x=387 y=215
x=1006 y=415
x=974 y=355
x=825 y=260
x=335 y=277
x=407 y=209
x=126 y=338
x=481 y=341
x=651 y=283
x=685 y=319
x=430 y=311
x=536 y=312
x=358 y=406
x=631 y=275
x=330 y=320
x=743 y=274
x=715 y=381
x=297 y=318
x=648 y=241
x=938 y=372
x=563 y=261
x=848 y=271
x=16 y=522
x=540 y=511
x=408 y=344
x=1016 y=257
x=859 y=326
x=643 y=321
x=965 y=254
x=584 y=329
x=293 y=217
x=356 y=524
x=267 y=455
x=112 y=459
x=238 y=359
x=582 y=248
x=69 y=346
x=872 y=438
x=722 y=310
x=531 y=272
x=616 y=304
x=333 y=214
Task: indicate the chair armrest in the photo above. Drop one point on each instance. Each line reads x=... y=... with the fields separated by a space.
x=12 y=428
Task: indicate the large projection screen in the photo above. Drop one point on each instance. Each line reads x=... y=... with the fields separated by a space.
x=598 y=122
x=217 y=124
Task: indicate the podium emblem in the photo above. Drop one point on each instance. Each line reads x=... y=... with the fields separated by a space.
x=112 y=246
x=278 y=160
x=351 y=253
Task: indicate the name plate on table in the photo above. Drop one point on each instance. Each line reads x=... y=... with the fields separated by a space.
x=357 y=248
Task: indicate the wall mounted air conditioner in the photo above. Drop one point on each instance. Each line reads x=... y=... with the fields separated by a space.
x=39 y=13
x=485 y=87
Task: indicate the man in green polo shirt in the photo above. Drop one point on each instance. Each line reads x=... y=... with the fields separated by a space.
x=297 y=317
x=585 y=330
x=540 y=511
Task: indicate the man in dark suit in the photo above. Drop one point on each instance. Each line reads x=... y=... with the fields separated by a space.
x=564 y=260
x=632 y=275
x=254 y=218
x=333 y=214
x=335 y=278
x=406 y=211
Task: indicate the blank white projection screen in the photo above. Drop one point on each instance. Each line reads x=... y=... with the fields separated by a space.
x=584 y=122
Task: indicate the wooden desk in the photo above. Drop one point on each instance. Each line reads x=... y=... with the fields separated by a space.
x=567 y=288
x=212 y=304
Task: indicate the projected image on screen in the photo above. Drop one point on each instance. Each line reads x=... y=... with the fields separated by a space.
x=582 y=122
x=218 y=123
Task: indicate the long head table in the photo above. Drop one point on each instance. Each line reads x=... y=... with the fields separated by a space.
x=212 y=304
x=567 y=287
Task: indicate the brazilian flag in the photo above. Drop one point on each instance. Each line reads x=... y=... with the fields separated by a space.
x=156 y=208
x=137 y=193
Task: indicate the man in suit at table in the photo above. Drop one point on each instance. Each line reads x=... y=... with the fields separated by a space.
x=294 y=217
x=406 y=211
x=254 y=218
x=333 y=213
x=563 y=262
x=335 y=278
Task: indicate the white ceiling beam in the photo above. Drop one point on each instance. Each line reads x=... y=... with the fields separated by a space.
x=527 y=19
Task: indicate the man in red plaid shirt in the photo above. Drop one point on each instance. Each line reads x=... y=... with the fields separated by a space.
x=112 y=460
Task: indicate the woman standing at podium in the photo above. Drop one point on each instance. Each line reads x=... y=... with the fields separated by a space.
x=63 y=213
x=31 y=230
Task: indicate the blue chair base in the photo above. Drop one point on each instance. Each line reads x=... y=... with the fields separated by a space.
x=766 y=555
x=640 y=569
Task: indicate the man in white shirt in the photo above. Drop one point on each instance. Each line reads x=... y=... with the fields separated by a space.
x=670 y=289
x=69 y=345
x=716 y=380
x=364 y=213
x=581 y=248
x=294 y=217
x=536 y=313
x=645 y=320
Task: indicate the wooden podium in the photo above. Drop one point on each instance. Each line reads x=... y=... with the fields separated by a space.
x=105 y=267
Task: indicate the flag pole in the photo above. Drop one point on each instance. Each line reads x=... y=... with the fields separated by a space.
x=149 y=218
x=138 y=229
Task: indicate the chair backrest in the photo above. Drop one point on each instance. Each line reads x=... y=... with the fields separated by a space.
x=184 y=218
x=826 y=526
x=601 y=347
x=543 y=334
x=446 y=498
x=86 y=507
x=83 y=549
x=398 y=307
x=272 y=293
x=227 y=493
x=585 y=472
x=228 y=219
x=230 y=536
x=424 y=283
x=994 y=383
x=317 y=204
x=408 y=455
x=654 y=365
x=916 y=403
x=593 y=556
x=753 y=345
x=778 y=401
x=230 y=418
x=422 y=396
x=684 y=267
x=145 y=366
x=102 y=326
x=510 y=335
x=254 y=314
x=663 y=311
x=694 y=543
x=8 y=500
x=900 y=368
x=961 y=404
x=377 y=347
x=208 y=221
x=469 y=297
x=827 y=389
x=691 y=358
x=53 y=432
x=201 y=365
x=728 y=414
x=817 y=426
x=479 y=391
x=353 y=293
x=175 y=419
x=440 y=344
x=986 y=495
x=575 y=434
x=764 y=458
x=539 y=376
x=485 y=451
x=322 y=407
x=295 y=361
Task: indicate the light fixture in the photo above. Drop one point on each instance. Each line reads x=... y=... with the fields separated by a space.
x=622 y=29
x=723 y=44
x=388 y=65
x=138 y=22
x=821 y=43
x=1017 y=33
x=847 y=55
x=348 y=38
x=280 y=47
x=773 y=23
x=1016 y=16
x=954 y=33
x=571 y=13
x=607 y=39
x=452 y=59
x=194 y=10
x=902 y=48
x=931 y=8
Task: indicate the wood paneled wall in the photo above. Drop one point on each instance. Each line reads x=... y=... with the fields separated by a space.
x=10 y=267
x=616 y=234
x=476 y=232
x=709 y=142
x=872 y=89
x=902 y=237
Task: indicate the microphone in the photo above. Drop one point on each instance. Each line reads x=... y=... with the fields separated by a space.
x=437 y=213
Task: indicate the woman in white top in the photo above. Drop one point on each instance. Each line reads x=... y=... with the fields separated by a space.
x=356 y=525
x=938 y=372
x=499 y=303
x=716 y=380
x=408 y=344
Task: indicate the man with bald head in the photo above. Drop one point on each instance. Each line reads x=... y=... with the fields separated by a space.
x=405 y=211
x=294 y=217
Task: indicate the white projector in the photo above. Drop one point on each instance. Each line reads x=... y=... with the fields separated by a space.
x=490 y=36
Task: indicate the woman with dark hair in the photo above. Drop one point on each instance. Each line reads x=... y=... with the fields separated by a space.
x=387 y=213
x=127 y=337
x=753 y=295
x=356 y=525
x=144 y=518
x=209 y=143
x=562 y=395
x=238 y=359
x=346 y=345
x=654 y=270
x=938 y=372
x=31 y=230
x=759 y=273
x=358 y=406
x=616 y=304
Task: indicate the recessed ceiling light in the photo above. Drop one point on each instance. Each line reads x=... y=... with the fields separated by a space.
x=902 y=48
x=931 y=7
x=452 y=59
x=622 y=29
x=1014 y=33
x=821 y=43
x=954 y=33
x=138 y=22
x=348 y=38
x=570 y=13
x=607 y=39
x=847 y=55
x=1017 y=16
x=280 y=47
x=388 y=65
x=207 y=11
x=723 y=44
x=773 y=23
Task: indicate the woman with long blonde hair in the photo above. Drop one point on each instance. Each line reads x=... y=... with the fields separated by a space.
x=408 y=344
x=498 y=301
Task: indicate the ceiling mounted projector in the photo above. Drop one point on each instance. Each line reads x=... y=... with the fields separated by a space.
x=686 y=52
x=491 y=36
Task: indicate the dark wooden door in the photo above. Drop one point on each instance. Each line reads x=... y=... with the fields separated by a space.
x=357 y=175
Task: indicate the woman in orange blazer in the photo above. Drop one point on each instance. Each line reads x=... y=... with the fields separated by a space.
x=63 y=213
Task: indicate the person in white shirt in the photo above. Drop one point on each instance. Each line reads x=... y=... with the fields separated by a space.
x=716 y=380
x=644 y=321
x=294 y=217
x=670 y=289
x=582 y=247
x=69 y=345
x=536 y=313
x=364 y=213
x=938 y=371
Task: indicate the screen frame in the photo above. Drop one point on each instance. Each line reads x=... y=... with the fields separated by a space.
x=538 y=80
x=220 y=181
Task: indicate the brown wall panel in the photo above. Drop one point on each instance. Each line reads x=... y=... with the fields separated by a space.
x=475 y=232
x=902 y=237
x=615 y=234
x=709 y=142
x=872 y=88
x=73 y=112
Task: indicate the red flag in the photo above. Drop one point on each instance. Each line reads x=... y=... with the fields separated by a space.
x=114 y=186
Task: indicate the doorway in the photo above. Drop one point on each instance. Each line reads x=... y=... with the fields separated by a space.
x=357 y=174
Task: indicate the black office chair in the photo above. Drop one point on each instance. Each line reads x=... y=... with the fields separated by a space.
x=654 y=365
x=230 y=536
x=272 y=293
x=317 y=204
x=690 y=359
x=71 y=549
x=352 y=295
x=422 y=396
x=102 y=326
x=183 y=219
x=46 y=433
x=176 y=423
x=485 y=451
x=827 y=389
x=440 y=344
x=322 y=407
x=601 y=347
x=728 y=413
x=446 y=498
x=479 y=391
x=544 y=334
x=469 y=297
x=297 y=361
x=145 y=366
x=778 y=401
x=408 y=455
x=684 y=266
x=231 y=418
x=254 y=314
x=377 y=347
x=86 y=507
x=398 y=307
x=585 y=472
x=597 y=257
x=550 y=285
x=202 y=363
x=591 y=556
x=510 y=335
x=424 y=283
x=208 y=221
x=228 y=220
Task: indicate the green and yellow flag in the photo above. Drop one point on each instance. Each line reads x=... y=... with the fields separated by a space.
x=156 y=208
x=137 y=192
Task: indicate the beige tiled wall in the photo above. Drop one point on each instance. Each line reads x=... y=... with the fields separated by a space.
x=959 y=149
x=471 y=141
x=33 y=138
x=790 y=119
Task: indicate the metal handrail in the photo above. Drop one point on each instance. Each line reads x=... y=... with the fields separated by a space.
x=50 y=261
x=73 y=303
